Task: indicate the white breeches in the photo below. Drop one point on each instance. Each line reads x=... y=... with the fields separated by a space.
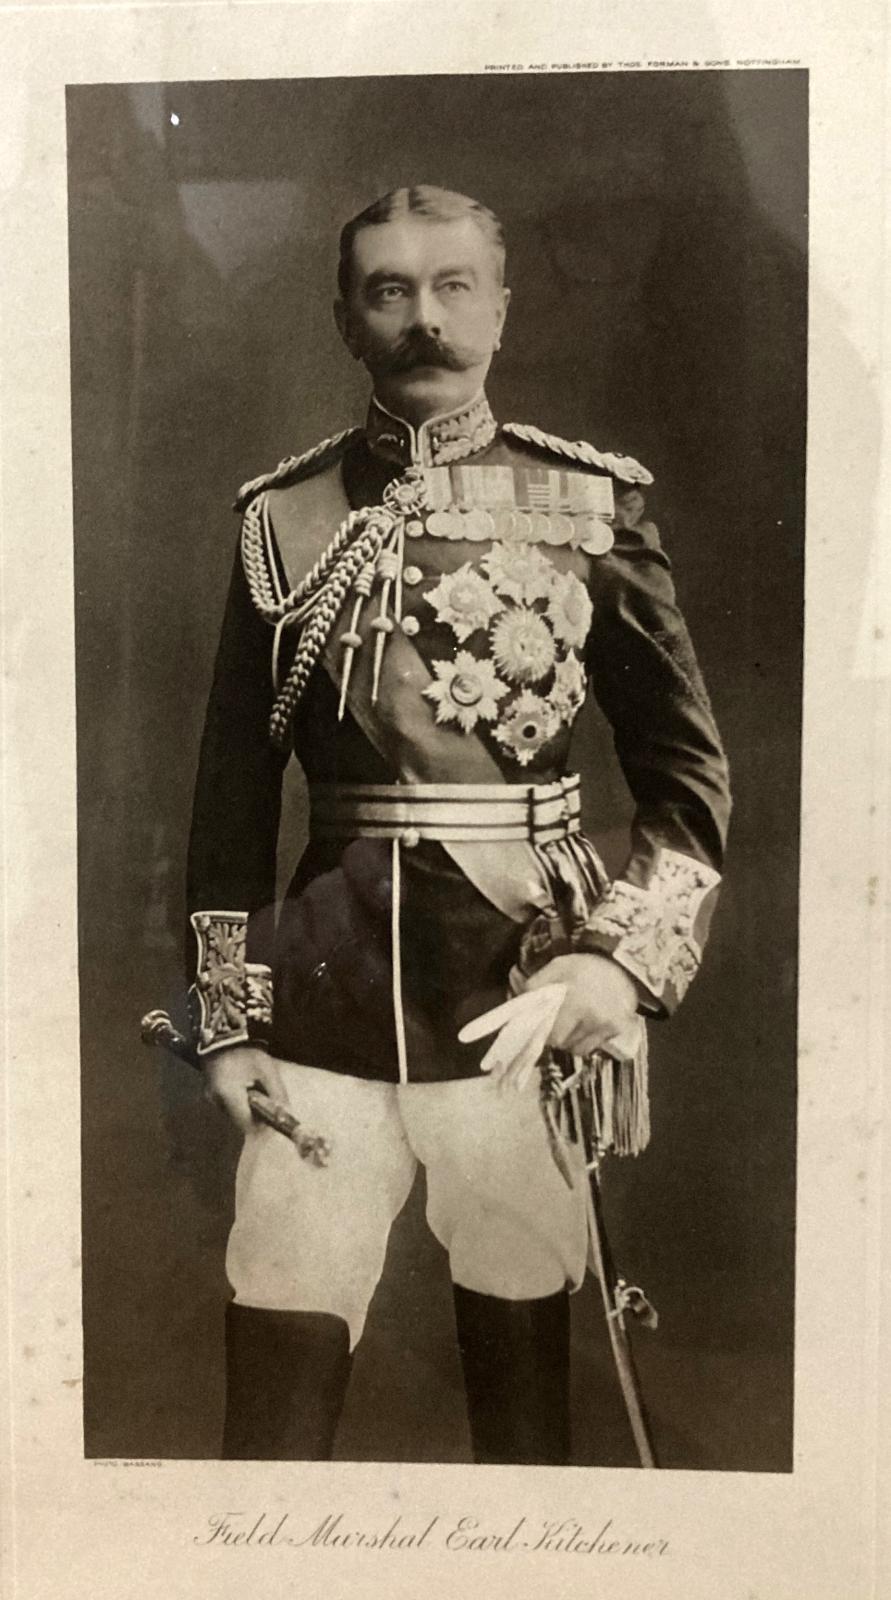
x=309 y=1238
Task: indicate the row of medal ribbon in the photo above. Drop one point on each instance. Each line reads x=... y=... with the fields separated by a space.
x=520 y=488
x=510 y=526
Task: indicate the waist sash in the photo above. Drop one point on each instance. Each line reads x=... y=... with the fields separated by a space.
x=448 y=812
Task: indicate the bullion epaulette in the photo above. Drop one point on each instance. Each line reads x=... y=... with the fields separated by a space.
x=293 y=468
x=624 y=468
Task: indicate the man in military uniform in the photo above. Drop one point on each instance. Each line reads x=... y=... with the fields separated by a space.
x=416 y=610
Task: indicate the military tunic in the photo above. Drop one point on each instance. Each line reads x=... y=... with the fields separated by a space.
x=514 y=570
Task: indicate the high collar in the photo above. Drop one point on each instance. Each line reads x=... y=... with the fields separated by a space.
x=449 y=437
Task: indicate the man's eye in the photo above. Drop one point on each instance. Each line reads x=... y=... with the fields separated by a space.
x=389 y=291
x=456 y=285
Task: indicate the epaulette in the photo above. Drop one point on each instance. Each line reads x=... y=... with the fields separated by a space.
x=293 y=468
x=623 y=467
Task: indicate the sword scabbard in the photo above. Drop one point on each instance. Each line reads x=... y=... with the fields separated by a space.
x=614 y=1297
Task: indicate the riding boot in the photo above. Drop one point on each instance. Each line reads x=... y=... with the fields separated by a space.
x=286 y=1380
x=515 y=1356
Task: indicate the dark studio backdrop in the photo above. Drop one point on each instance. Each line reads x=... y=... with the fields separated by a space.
x=656 y=227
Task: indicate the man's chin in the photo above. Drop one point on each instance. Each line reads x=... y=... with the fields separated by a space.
x=430 y=377
x=427 y=390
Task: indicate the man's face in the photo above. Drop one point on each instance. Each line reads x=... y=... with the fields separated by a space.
x=424 y=312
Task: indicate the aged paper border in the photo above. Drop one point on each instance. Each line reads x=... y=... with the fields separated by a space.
x=76 y=1528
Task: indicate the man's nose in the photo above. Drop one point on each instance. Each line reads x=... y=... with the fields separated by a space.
x=428 y=312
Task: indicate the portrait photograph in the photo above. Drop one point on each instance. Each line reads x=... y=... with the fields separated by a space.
x=655 y=229
x=445 y=611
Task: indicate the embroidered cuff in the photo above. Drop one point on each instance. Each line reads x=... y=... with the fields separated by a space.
x=650 y=931
x=234 y=996
x=258 y=996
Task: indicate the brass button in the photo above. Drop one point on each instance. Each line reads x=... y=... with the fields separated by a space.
x=412 y=576
x=410 y=626
x=411 y=838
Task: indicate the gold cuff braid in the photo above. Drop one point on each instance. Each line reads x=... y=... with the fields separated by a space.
x=230 y=991
x=650 y=931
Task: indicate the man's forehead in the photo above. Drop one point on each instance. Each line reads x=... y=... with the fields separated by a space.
x=413 y=242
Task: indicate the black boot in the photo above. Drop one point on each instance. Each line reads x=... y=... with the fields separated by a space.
x=515 y=1355
x=286 y=1379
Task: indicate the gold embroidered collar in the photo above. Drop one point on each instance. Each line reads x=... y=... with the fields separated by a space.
x=450 y=437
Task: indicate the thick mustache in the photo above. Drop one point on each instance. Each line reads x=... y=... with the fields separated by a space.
x=422 y=350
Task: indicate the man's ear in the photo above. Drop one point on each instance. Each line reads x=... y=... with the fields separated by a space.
x=505 y=302
x=342 y=318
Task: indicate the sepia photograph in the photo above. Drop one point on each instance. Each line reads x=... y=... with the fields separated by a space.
x=438 y=468
x=445 y=741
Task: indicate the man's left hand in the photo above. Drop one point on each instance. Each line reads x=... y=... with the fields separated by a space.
x=600 y=1003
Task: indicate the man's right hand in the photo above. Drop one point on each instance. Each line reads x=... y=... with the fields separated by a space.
x=230 y=1073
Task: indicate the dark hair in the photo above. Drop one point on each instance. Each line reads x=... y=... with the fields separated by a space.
x=421 y=200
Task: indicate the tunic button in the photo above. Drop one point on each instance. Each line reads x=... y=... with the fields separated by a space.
x=412 y=576
x=411 y=838
x=465 y=690
x=411 y=626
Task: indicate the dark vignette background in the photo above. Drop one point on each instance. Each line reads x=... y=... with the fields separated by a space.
x=657 y=233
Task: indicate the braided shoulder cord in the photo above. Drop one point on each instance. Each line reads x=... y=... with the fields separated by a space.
x=272 y=606
x=255 y=561
x=318 y=574
x=623 y=467
x=294 y=467
x=319 y=595
x=317 y=631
